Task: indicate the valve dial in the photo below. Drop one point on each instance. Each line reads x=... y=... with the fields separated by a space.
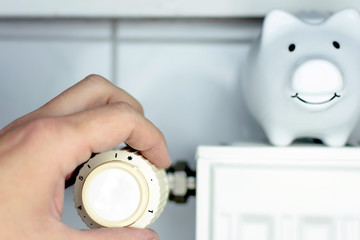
x=120 y=188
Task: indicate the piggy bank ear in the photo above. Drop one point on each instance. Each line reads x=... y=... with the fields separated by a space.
x=277 y=22
x=347 y=20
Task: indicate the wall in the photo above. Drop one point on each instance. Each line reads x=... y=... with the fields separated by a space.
x=163 y=8
x=186 y=74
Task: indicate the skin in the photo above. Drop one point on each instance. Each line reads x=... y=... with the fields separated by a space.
x=40 y=150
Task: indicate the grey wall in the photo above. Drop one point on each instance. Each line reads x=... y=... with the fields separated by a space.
x=186 y=74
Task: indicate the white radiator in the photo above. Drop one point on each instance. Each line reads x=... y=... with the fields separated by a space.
x=260 y=192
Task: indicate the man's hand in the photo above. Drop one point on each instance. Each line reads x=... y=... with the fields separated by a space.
x=40 y=150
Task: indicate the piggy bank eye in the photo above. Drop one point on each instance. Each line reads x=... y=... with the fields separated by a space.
x=292 y=47
x=336 y=44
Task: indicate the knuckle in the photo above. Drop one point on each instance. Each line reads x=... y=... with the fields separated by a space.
x=98 y=82
x=161 y=137
x=140 y=108
x=96 y=79
x=124 y=108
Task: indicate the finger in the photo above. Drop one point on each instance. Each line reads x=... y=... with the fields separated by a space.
x=117 y=233
x=91 y=92
x=81 y=134
x=105 y=127
x=78 y=135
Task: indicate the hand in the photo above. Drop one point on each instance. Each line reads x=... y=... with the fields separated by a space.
x=40 y=150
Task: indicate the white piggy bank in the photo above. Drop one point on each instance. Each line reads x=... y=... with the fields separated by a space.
x=303 y=77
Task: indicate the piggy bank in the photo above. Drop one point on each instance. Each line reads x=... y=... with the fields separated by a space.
x=303 y=77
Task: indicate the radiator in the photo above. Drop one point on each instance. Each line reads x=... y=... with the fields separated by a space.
x=261 y=192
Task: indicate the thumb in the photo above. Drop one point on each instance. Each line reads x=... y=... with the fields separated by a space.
x=125 y=233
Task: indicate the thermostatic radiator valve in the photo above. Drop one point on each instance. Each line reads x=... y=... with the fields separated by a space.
x=121 y=188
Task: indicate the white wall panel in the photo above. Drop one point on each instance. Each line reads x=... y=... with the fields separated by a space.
x=187 y=76
x=162 y=8
x=185 y=72
x=38 y=62
x=39 y=59
x=189 y=83
x=205 y=30
x=56 y=29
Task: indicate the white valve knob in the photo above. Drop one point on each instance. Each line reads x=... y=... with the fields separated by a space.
x=120 y=188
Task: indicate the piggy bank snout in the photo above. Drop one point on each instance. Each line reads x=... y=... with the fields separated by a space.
x=317 y=77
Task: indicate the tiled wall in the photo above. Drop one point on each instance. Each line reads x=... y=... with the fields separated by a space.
x=185 y=72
